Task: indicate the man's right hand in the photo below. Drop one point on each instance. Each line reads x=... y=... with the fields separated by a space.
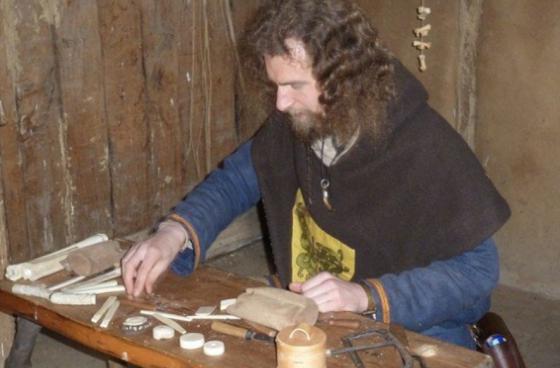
x=147 y=260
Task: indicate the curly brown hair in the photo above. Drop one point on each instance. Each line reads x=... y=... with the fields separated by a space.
x=352 y=68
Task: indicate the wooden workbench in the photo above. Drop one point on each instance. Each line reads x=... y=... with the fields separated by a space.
x=208 y=286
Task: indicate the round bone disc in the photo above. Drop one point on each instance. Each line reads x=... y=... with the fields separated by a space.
x=191 y=340
x=161 y=332
x=214 y=348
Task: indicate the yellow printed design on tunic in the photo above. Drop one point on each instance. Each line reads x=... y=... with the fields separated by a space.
x=314 y=251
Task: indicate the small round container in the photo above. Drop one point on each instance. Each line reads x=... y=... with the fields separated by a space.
x=301 y=346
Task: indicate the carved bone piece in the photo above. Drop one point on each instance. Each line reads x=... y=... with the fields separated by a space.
x=110 y=314
x=72 y=299
x=423 y=31
x=31 y=290
x=97 y=316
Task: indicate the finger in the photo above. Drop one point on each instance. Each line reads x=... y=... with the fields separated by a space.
x=129 y=267
x=142 y=272
x=295 y=287
x=316 y=281
x=329 y=285
x=325 y=302
x=130 y=253
x=154 y=274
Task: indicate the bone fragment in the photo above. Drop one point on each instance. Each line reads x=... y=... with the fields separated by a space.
x=205 y=310
x=191 y=318
x=422 y=62
x=66 y=283
x=97 y=316
x=423 y=12
x=226 y=303
x=421 y=45
x=169 y=322
x=50 y=263
x=423 y=31
x=31 y=290
x=88 y=287
x=101 y=290
x=109 y=275
x=60 y=297
x=110 y=314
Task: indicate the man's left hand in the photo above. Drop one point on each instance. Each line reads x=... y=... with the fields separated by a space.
x=332 y=294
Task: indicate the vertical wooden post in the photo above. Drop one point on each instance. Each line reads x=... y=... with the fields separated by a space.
x=6 y=321
x=7 y=325
x=470 y=13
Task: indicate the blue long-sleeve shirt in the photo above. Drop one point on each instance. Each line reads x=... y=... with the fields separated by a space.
x=438 y=300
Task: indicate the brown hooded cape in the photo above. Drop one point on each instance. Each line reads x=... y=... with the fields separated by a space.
x=425 y=197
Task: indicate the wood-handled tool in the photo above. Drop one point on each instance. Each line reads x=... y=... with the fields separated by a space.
x=237 y=331
x=346 y=323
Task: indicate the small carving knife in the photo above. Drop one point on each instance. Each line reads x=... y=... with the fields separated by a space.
x=240 y=332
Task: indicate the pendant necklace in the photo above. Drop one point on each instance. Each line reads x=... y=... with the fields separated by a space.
x=325 y=180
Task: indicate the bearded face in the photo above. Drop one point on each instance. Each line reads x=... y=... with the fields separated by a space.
x=297 y=92
x=297 y=95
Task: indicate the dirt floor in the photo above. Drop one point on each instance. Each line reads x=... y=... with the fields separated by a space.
x=534 y=321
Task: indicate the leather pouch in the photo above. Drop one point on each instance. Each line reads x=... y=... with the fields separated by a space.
x=275 y=308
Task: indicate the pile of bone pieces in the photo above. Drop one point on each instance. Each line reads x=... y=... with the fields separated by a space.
x=100 y=274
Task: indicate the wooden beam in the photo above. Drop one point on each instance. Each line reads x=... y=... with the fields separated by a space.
x=6 y=321
x=470 y=13
x=11 y=170
x=121 y=42
x=83 y=141
x=36 y=154
x=160 y=46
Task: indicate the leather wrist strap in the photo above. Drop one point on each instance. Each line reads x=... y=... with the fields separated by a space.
x=371 y=308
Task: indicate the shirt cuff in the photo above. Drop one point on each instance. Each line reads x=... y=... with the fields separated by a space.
x=380 y=299
x=192 y=236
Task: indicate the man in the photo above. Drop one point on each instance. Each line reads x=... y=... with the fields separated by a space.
x=372 y=201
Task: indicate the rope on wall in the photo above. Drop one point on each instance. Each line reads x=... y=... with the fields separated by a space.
x=421 y=32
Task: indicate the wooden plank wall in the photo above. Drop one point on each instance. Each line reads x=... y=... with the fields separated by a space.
x=110 y=110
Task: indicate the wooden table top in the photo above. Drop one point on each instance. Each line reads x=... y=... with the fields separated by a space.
x=207 y=286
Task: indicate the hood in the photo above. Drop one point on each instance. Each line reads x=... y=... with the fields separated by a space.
x=410 y=95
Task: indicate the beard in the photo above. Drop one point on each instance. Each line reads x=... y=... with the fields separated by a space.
x=340 y=124
x=307 y=126
x=310 y=126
